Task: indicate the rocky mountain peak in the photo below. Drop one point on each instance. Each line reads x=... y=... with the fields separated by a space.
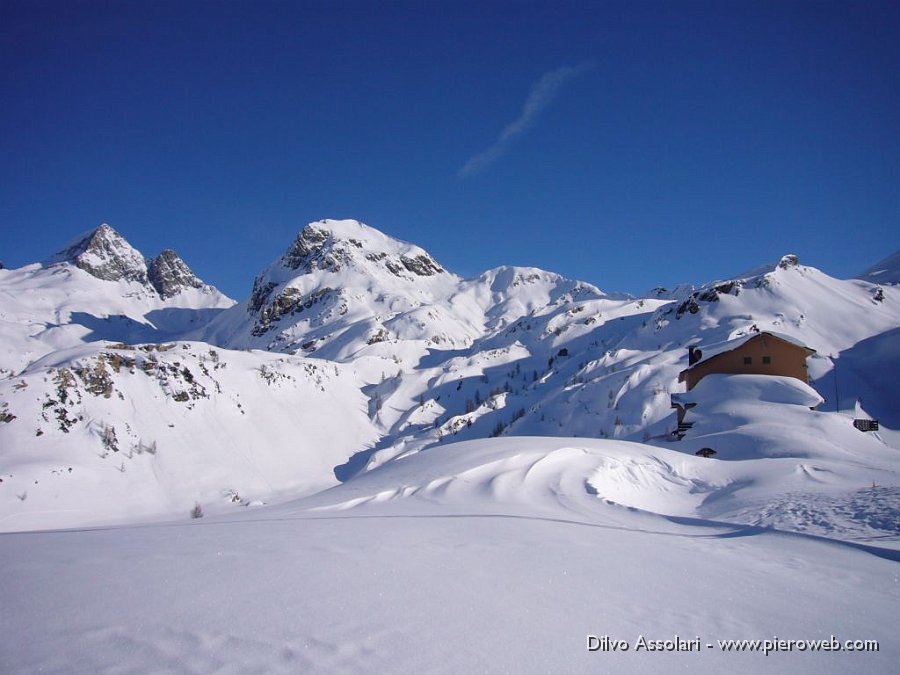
x=105 y=254
x=332 y=245
x=337 y=254
x=169 y=274
x=789 y=260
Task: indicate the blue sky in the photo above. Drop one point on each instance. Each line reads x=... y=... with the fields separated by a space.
x=627 y=144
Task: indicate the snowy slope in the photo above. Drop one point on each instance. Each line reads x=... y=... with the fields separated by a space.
x=608 y=368
x=829 y=315
x=491 y=556
x=116 y=433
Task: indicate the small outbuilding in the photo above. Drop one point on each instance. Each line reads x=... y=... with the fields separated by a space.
x=762 y=353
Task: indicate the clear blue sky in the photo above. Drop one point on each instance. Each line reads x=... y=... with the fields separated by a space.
x=627 y=144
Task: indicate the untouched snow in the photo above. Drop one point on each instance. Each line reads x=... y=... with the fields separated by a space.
x=491 y=556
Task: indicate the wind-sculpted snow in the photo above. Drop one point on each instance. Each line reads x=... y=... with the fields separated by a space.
x=530 y=543
x=480 y=543
x=584 y=478
x=481 y=580
x=578 y=476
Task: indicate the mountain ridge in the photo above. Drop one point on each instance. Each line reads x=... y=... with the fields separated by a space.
x=885 y=271
x=106 y=255
x=99 y=287
x=350 y=324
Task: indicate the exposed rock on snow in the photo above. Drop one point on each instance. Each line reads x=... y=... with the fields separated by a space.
x=333 y=244
x=106 y=255
x=789 y=260
x=339 y=267
x=170 y=275
x=99 y=288
x=103 y=253
x=148 y=429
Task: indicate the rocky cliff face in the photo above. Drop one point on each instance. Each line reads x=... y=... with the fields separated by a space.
x=169 y=274
x=344 y=248
x=331 y=245
x=103 y=253
x=106 y=255
x=337 y=273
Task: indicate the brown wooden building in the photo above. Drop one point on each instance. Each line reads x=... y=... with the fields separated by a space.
x=760 y=354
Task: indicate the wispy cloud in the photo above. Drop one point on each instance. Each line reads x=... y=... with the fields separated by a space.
x=542 y=94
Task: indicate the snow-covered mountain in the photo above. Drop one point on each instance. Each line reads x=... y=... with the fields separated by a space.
x=351 y=325
x=113 y=432
x=339 y=287
x=103 y=253
x=342 y=286
x=334 y=431
x=885 y=271
x=99 y=287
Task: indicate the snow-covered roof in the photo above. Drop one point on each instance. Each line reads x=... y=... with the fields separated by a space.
x=750 y=387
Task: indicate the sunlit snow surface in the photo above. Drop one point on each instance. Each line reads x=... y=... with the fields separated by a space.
x=347 y=529
x=489 y=556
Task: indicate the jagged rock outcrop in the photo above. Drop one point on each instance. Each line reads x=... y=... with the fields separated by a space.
x=331 y=245
x=169 y=274
x=328 y=268
x=105 y=254
x=289 y=302
x=789 y=260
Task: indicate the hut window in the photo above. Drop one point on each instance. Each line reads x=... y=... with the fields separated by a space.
x=748 y=360
x=767 y=360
